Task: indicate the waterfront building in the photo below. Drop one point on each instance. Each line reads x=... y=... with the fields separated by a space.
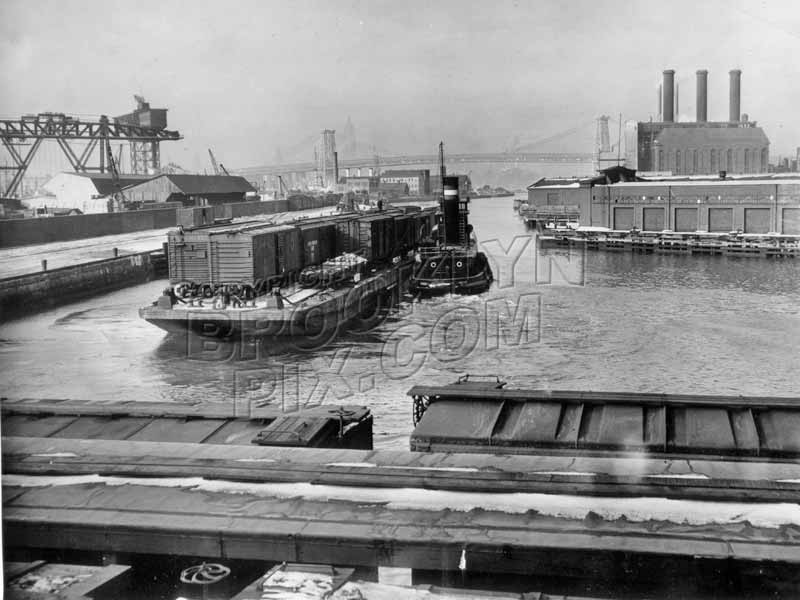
x=620 y=199
x=87 y=192
x=191 y=190
x=417 y=180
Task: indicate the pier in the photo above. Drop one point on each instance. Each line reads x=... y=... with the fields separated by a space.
x=697 y=243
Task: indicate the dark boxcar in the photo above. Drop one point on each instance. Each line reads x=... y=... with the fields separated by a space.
x=319 y=241
x=376 y=236
x=404 y=233
x=347 y=235
x=276 y=251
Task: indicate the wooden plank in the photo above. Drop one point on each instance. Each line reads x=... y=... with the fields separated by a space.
x=700 y=429
x=620 y=426
x=236 y=431
x=745 y=432
x=781 y=431
x=655 y=431
x=531 y=422
x=474 y=420
x=33 y=426
x=178 y=430
x=105 y=428
x=570 y=423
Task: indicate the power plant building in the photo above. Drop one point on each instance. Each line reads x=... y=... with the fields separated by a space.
x=702 y=147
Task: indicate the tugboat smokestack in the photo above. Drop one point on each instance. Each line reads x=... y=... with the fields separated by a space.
x=450 y=211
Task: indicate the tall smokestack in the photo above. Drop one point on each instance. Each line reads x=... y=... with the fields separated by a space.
x=660 y=110
x=702 y=96
x=669 y=96
x=736 y=95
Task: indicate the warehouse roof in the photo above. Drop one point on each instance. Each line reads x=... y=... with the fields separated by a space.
x=208 y=184
x=609 y=175
x=104 y=182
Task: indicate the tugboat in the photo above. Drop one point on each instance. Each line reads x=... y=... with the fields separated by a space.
x=449 y=261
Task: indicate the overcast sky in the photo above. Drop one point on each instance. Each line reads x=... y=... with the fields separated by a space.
x=247 y=78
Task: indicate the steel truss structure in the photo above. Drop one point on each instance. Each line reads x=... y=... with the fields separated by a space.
x=65 y=129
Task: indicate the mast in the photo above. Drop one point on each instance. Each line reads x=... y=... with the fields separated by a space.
x=442 y=175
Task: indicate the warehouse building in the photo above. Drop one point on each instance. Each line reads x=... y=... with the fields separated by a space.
x=87 y=192
x=572 y=195
x=417 y=180
x=620 y=199
x=762 y=204
x=191 y=190
x=737 y=146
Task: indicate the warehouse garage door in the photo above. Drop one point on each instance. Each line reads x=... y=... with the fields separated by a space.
x=756 y=220
x=685 y=219
x=791 y=221
x=623 y=217
x=720 y=219
x=653 y=219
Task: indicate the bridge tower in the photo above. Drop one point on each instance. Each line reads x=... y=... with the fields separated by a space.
x=603 y=138
x=327 y=159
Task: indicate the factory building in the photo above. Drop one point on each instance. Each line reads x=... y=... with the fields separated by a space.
x=191 y=190
x=417 y=180
x=702 y=147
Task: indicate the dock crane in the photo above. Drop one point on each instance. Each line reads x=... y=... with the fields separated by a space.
x=118 y=195
x=217 y=166
x=283 y=191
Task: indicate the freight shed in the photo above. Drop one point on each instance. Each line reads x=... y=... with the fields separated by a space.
x=191 y=190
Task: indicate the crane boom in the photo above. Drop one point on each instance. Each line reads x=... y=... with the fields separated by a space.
x=214 y=164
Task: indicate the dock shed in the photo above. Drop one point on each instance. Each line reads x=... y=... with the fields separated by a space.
x=192 y=190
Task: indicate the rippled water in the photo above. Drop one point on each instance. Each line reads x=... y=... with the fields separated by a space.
x=603 y=321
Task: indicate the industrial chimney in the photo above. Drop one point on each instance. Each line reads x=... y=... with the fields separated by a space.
x=669 y=96
x=736 y=92
x=702 y=96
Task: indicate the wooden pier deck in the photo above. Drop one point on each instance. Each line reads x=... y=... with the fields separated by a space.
x=688 y=243
x=352 y=507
